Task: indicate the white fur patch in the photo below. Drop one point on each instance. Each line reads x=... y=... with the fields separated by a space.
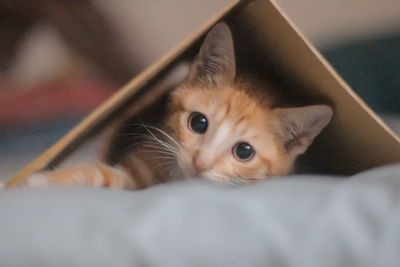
x=37 y=180
x=1 y=185
x=222 y=134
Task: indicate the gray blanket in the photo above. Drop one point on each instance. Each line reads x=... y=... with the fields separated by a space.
x=293 y=221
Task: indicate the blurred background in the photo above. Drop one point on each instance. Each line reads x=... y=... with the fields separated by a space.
x=60 y=59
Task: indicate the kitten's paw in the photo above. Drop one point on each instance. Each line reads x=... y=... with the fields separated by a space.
x=37 y=180
x=1 y=185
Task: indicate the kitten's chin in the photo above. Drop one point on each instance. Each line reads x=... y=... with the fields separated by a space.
x=191 y=174
x=211 y=176
x=188 y=173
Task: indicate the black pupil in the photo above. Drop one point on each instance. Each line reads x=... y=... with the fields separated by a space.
x=198 y=122
x=244 y=151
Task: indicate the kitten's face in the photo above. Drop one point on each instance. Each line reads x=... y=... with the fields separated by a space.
x=226 y=133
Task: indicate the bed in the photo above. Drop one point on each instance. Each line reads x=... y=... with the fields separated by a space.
x=291 y=221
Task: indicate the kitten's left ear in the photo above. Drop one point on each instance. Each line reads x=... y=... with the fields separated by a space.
x=216 y=59
x=299 y=126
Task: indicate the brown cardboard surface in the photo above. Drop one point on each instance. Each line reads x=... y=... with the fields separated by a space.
x=356 y=139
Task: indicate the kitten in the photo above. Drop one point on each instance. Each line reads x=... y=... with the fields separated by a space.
x=218 y=128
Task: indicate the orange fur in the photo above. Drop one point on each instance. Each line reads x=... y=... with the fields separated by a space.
x=99 y=175
x=248 y=120
x=235 y=112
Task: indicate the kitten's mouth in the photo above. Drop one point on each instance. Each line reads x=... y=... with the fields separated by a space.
x=190 y=172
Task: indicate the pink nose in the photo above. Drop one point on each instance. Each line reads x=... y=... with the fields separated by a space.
x=201 y=165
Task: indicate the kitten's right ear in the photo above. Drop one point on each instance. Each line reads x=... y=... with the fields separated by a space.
x=216 y=59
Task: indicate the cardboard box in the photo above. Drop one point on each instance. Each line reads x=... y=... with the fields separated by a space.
x=356 y=139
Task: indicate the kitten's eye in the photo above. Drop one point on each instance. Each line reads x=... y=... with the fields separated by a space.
x=198 y=123
x=243 y=151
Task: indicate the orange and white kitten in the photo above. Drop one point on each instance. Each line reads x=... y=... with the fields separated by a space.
x=218 y=128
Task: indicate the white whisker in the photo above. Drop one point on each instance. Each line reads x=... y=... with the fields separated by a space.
x=159 y=140
x=164 y=152
x=164 y=144
x=160 y=157
x=164 y=133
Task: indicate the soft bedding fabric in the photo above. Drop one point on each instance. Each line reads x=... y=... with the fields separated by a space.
x=293 y=221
